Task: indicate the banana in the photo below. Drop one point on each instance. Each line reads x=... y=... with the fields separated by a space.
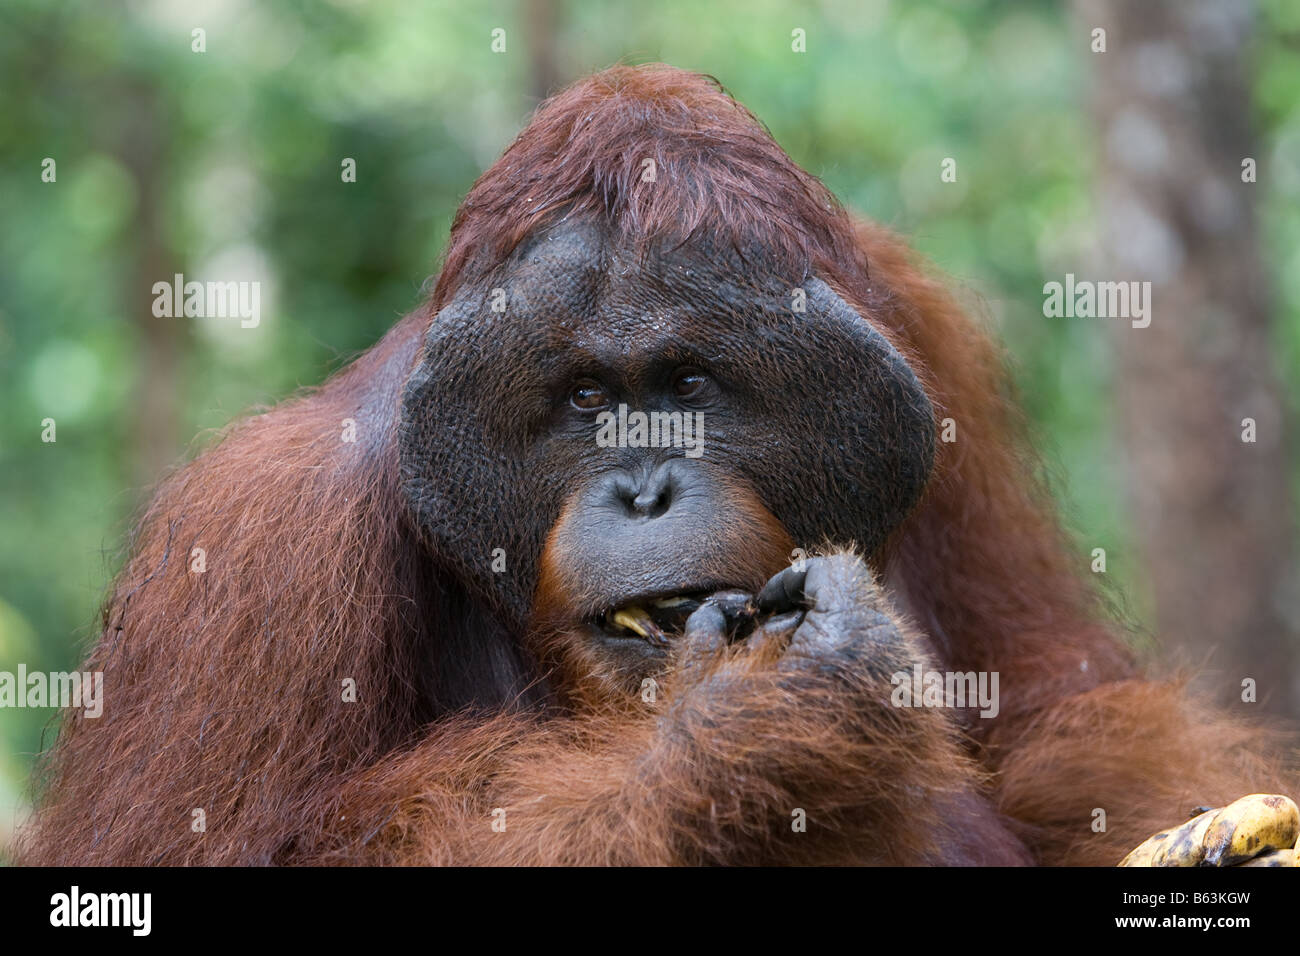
x=1144 y=853
x=1180 y=846
x=1186 y=844
x=633 y=619
x=636 y=620
x=1275 y=858
x=1250 y=826
x=1263 y=826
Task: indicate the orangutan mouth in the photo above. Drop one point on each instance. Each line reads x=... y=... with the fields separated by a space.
x=655 y=620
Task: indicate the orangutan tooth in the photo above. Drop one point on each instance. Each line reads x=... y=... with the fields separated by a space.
x=633 y=619
x=676 y=601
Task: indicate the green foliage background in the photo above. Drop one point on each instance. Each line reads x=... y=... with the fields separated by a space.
x=250 y=136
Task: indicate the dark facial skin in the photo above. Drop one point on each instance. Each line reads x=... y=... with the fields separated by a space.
x=815 y=429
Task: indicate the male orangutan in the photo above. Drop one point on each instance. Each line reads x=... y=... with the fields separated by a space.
x=438 y=621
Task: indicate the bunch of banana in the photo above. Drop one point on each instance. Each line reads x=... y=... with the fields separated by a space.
x=1258 y=830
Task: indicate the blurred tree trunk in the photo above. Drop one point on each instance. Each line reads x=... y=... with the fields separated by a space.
x=1212 y=513
x=142 y=148
x=542 y=19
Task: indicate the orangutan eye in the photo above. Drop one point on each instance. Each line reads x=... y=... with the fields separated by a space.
x=689 y=382
x=588 y=394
